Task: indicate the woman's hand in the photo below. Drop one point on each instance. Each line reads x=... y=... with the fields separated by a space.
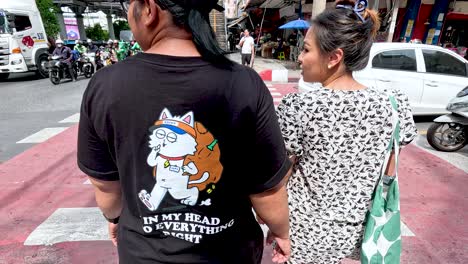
x=281 y=248
x=113 y=228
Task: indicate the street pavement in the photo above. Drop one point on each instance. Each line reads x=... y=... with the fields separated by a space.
x=29 y=105
x=48 y=213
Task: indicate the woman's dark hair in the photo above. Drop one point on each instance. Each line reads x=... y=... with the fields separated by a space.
x=342 y=28
x=194 y=16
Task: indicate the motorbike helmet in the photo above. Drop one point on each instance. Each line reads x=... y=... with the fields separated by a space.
x=110 y=42
x=89 y=41
x=59 y=43
x=79 y=42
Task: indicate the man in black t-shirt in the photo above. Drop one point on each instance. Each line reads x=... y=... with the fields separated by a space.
x=180 y=143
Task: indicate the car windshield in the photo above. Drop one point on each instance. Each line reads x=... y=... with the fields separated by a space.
x=4 y=28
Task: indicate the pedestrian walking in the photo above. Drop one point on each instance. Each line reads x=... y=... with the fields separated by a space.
x=340 y=135
x=247 y=45
x=180 y=143
x=293 y=49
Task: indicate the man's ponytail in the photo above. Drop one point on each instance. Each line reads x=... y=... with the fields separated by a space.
x=205 y=39
x=197 y=22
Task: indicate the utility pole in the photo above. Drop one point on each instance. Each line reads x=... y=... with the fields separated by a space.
x=396 y=7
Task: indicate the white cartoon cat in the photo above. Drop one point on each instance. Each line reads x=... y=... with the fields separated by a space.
x=171 y=140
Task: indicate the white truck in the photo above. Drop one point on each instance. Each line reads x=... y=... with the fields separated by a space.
x=23 y=41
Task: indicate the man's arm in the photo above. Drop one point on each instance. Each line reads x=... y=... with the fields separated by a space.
x=272 y=207
x=108 y=197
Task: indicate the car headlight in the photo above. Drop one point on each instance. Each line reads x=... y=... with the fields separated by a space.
x=16 y=62
x=463 y=92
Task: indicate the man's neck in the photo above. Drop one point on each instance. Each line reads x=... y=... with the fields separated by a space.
x=173 y=42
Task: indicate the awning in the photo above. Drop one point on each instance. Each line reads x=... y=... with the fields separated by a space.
x=237 y=21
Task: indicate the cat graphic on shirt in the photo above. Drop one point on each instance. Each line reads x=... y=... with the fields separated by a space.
x=171 y=140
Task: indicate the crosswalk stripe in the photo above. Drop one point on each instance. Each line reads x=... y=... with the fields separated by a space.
x=88 y=224
x=70 y=224
x=72 y=119
x=42 y=135
x=275 y=94
x=276 y=100
x=405 y=231
x=272 y=89
x=87 y=182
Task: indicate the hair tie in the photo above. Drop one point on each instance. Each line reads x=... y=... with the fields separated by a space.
x=358 y=8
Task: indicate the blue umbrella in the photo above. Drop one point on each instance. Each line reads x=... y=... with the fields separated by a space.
x=299 y=24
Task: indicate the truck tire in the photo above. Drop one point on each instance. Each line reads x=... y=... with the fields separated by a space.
x=4 y=76
x=42 y=71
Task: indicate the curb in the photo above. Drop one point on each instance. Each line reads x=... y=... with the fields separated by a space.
x=274 y=75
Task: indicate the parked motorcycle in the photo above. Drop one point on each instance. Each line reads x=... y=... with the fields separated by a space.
x=450 y=132
x=58 y=70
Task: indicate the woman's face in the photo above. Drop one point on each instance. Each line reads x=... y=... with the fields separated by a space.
x=314 y=65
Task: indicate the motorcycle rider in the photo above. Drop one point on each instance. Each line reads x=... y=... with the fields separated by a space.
x=91 y=47
x=135 y=48
x=112 y=51
x=80 y=47
x=66 y=56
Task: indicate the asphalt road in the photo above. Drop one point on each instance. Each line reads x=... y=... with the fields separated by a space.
x=28 y=105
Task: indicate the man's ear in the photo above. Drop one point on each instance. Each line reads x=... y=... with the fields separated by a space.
x=150 y=12
x=335 y=57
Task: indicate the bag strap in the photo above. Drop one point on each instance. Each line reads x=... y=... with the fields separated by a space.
x=394 y=145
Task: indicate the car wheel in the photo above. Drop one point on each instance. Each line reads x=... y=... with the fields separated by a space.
x=447 y=137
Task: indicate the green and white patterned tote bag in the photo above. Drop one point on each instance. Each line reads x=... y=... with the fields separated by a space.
x=382 y=236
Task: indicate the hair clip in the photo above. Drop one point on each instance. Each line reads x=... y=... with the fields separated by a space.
x=358 y=8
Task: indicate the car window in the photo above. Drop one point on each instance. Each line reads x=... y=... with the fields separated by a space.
x=401 y=60
x=22 y=23
x=443 y=63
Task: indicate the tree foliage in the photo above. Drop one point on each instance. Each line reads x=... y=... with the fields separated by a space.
x=48 y=10
x=96 y=33
x=120 y=25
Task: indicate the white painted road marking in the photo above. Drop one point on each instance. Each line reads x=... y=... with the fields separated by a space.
x=87 y=182
x=88 y=224
x=70 y=224
x=277 y=100
x=72 y=119
x=405 y=231
x=43 y=135
x=275 y=94
x=272 y=89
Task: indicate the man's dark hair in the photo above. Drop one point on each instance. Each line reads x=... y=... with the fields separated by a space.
x=195 y=19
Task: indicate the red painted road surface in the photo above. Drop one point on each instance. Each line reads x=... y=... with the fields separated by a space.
x=44 y=178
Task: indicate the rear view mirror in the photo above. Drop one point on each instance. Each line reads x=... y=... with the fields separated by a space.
x=11 y=20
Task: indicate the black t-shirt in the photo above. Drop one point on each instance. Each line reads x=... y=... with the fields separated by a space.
x=292 y=39
x=189 y=142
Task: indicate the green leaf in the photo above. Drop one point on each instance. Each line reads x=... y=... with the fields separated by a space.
x=392 y=229
x=394 y=253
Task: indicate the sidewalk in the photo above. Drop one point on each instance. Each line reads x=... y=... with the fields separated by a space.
x=271 y=69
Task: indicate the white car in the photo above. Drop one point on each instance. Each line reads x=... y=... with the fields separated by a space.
x=429 y=75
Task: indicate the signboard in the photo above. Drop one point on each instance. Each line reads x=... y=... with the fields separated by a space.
x=71 y=27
